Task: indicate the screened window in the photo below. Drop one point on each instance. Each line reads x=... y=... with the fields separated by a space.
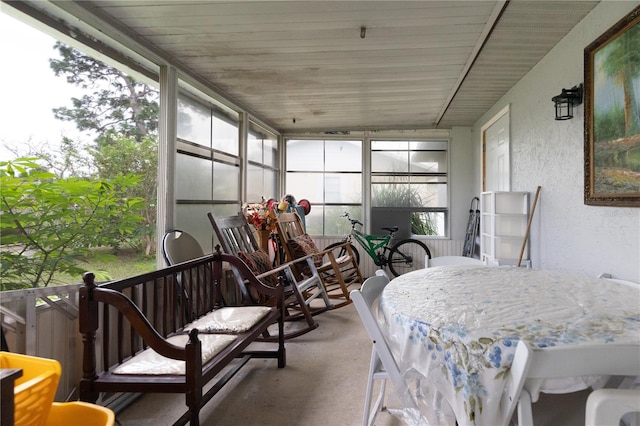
x=262 y=170
x=410 y=178
x=207 y=167
x=328 y=173
x=194 y=122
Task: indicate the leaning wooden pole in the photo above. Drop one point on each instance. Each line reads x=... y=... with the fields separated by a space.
x=526 y=234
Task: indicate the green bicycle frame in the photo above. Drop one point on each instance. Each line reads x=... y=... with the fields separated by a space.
x=371 y=244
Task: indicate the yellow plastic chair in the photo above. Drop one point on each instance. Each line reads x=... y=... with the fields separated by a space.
x=82 y=413
x=35 y=391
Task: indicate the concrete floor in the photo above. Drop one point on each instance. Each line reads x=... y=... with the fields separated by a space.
x=323 y=384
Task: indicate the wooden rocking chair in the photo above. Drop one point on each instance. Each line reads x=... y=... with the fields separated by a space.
x=236 y=237
x=337 y=273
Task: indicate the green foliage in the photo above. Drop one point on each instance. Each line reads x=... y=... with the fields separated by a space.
x=119 y=155
x=618 y=155
x=609 y=125
x=123 y=264
x=50 y=224
x=633 y=158
x=424 y=223
x=395 y=195
x=124 y=113
x=621 y=63
x=401 y=195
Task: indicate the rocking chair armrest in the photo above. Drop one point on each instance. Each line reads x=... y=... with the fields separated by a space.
x=287 y=266
x=330 y=252
x=278 y=269
x=308 y=258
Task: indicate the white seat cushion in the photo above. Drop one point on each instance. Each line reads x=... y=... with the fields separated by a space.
x=229 y=320
x=149 y=362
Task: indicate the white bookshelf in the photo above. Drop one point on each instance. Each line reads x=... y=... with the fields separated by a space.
x=503 y=225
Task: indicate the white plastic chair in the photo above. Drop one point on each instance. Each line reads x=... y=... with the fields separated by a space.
x=451 y=260
x=382 y=273
x=383 y=366
x=515 y=381
x=607 y=406
x=575 y=361
x=609 y=277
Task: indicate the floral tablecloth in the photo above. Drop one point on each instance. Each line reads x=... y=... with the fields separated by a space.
x=454 y=330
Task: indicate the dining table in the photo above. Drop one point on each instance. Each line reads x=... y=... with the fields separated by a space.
x=453 y=331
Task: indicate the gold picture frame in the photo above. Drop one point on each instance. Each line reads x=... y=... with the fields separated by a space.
x=612 y=115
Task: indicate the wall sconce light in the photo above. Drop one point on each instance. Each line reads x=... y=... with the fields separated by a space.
x=565 y=102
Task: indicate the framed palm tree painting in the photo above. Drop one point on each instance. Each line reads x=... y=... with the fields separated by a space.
x=612 y=115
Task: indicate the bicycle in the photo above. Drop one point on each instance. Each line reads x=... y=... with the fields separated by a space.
x=404 y=256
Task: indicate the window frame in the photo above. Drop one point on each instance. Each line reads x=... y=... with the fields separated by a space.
x=447 y=175
x=342 y=228
x=254 y=130
x=188 y=208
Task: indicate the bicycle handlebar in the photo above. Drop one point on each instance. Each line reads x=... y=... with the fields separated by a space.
x=354 y=222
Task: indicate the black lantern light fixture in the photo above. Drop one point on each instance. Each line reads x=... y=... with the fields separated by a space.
x=565 y=102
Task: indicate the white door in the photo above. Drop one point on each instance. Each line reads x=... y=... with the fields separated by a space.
x=496 y=170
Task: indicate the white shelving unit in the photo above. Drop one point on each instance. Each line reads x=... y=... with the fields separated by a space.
x=503 y=225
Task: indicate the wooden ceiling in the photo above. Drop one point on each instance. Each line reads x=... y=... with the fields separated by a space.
x=304 y=65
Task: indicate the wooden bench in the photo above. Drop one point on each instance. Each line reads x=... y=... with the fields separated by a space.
x=139 y=335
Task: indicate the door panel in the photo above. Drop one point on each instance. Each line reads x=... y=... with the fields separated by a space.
x=497 y=170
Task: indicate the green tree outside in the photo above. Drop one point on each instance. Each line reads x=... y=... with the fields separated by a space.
x=117 y=102
x=61 y=202
x=122 y=156
x=50 y=224
x=124 y=114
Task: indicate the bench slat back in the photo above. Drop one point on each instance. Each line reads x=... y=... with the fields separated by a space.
x=167 y=299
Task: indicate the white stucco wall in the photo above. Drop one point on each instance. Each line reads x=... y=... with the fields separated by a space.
x=566 y=234
x=461 y=179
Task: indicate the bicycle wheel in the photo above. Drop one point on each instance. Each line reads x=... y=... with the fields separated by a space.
x=343 y=251
x=406 y=256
